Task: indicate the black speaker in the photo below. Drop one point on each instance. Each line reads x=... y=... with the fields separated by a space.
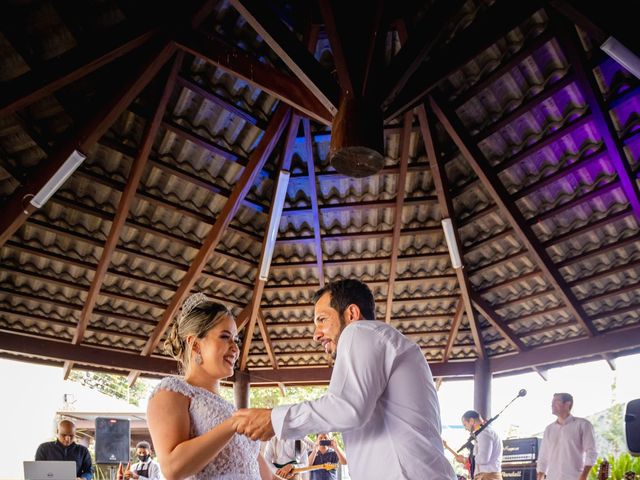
x=632 y=426
x=113 y=438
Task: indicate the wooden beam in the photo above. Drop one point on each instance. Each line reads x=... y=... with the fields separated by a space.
x=405 y=145
x=419 y=45
x=290 y=50
x=567 y=38
x=502 y=17
x=238 y=63
x=313 y=194
x=266 y=339
x=497 y=322
x=618 y=341
x=17 y=209
x=65 y=69
x=256 y=297
x=124 y=205
x=453 y=332
x=257 y=160
x=100 y=357
x=499 y=194
x=441 y=183
x=222 y=102
x=310 y=375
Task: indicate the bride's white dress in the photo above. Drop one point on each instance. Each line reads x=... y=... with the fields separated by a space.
x=238 y=460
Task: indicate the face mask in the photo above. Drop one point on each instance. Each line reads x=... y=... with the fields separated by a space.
x=143 y=458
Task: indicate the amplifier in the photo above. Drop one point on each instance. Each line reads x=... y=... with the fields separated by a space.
x=515 y=472
x=520 y=450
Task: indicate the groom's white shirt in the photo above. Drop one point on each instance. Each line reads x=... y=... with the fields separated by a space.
x=383 y=400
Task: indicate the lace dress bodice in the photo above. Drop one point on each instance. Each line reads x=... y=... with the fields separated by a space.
x=238 y=460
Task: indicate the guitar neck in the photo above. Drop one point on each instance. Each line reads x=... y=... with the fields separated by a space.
x=323 y=466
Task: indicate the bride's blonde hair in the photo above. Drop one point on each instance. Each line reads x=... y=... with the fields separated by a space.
x=199 y=315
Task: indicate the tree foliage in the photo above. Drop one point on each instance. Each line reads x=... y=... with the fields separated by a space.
x=112 y=385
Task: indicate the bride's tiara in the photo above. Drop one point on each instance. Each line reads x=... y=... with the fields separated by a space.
x=192 y=302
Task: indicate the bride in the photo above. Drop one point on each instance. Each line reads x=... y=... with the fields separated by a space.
x=190 y=423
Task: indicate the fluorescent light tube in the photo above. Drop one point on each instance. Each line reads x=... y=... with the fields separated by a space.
x=450 y=237
x=622 y=55
x=274 y=224
x=58 y=178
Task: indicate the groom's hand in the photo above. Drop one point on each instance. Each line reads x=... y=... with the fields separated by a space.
x=255 y=423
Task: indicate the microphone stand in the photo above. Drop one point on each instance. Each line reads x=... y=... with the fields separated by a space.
x=473 y=435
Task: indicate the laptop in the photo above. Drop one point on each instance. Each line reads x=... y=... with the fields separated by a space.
x=49 y=470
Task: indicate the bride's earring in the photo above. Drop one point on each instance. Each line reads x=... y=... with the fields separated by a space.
x=198 y=359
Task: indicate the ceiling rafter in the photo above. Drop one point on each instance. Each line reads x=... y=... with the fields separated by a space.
x=272 y=81
x=256 y=296
x=405 y=151
x=499 y=194
x=290 y=50
x=418 y=46
x=85 y=135
x=567 y=38
x=51 y=76
x=445 y=203
x=313 y=194
x=266 y=340
x=257 y=159
x=124 y=205
x=481 y=34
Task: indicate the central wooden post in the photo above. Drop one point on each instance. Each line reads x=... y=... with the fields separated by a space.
x=241 y=389
x=482 y=388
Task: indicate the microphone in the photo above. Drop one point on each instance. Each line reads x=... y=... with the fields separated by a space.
x=473 y=435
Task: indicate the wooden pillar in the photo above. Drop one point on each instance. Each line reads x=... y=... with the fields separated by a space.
x=241 y=389
x=482 y=388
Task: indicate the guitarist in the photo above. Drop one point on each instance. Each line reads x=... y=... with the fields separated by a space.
x=326 y=450
x=485 y=460
x=283 y=455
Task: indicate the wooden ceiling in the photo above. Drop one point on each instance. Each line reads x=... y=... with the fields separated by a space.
x=504 y=116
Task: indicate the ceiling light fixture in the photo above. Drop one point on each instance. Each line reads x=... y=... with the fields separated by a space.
x=57 y=179
x=274 y=224
x=450 y=237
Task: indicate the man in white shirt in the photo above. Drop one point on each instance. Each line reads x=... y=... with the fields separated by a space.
x=283 y=452
x=381 y=396
x=487 y=451
x=568 y=449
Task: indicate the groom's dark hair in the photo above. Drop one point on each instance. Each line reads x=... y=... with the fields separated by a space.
x=346 y=292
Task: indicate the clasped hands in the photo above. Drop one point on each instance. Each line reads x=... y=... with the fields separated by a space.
x=254 y=423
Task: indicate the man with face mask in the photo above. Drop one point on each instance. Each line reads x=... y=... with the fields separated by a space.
x=65 y=448
x=146 y=468
x=381 y=396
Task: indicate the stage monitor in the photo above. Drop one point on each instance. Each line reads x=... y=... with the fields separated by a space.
x=113 y=440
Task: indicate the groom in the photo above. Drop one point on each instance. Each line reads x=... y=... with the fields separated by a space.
x=381 y=395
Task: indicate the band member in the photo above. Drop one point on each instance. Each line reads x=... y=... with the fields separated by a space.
x=568 y=449
x=485 y=460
